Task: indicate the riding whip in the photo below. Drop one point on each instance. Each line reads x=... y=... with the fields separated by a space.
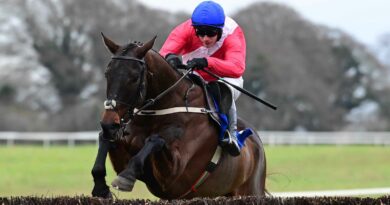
x=242 y=90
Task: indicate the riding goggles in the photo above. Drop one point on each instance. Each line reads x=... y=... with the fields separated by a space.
x=210 y=32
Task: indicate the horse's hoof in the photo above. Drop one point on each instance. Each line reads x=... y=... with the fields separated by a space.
x=122 y=184
x=100 y=201
x=101 y=191
x=107 y=196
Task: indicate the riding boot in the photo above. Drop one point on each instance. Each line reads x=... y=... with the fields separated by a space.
x=230 y=141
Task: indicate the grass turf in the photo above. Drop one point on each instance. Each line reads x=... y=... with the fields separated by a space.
x=59 y=170
x=297 y=168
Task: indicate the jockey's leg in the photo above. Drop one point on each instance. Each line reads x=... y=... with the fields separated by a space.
x=230 y=141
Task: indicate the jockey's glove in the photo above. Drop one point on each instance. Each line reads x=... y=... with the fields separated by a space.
x=174 y=60
x=197 y=63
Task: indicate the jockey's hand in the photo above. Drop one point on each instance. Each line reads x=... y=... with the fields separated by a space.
x=174 y=60
x=197 y=63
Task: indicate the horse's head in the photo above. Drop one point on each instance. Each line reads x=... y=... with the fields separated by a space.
x=126 y=79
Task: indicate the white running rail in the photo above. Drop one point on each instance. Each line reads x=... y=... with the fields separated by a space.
x=268 y=137
x=329 y=138
x=47 y=138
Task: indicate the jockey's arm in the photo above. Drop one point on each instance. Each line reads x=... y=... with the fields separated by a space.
x=233 y=63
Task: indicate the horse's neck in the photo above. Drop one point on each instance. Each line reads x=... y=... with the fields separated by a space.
x=160 y=77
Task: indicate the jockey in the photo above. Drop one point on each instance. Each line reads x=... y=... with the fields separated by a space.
x=210 y=40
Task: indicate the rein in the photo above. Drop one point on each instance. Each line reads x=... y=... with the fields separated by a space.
x=151 y=101
x=110 y=104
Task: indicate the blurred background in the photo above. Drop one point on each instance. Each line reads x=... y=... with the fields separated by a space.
x=324 y=63
x=299 y=56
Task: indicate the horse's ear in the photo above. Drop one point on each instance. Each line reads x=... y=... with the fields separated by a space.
x=111 y=45
x=141 y=51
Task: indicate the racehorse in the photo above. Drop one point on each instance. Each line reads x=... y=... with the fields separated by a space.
x=169 y=152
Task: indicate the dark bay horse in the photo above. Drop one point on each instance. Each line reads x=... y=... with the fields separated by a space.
x=169 y=152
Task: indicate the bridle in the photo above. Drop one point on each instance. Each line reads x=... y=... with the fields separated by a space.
x=111 y=104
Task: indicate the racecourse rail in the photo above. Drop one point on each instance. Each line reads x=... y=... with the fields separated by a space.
x=268 y=137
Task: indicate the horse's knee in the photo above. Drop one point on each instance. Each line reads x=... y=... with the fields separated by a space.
x=156 y=141
x=135 y=166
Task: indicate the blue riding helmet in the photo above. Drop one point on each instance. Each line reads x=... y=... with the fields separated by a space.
x=208 y=13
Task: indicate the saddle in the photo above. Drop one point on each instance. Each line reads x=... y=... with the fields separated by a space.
x=219 y=99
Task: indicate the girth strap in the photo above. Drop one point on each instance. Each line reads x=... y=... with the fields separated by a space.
x=209 y=169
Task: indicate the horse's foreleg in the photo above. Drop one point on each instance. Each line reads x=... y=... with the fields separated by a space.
x=98 y=172
x=126 y=179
